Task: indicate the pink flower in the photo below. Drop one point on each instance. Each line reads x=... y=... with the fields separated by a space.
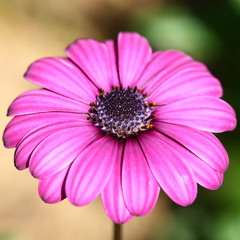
x=116 y=119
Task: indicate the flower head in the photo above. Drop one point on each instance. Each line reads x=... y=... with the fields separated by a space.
x=118 y=120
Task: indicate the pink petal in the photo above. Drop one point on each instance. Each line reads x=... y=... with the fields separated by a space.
x=203 y=144
x=169 y=167
x=113 y=71
x=112 y=196
x=91 y=171
x=134 y=53
x=204 y=174
x=42 y=100
x=140 y=189
x=19 y=126
x=162 y=66
x=31 y=141
x=191 y=81
x=51 y=190
x=203 y=113
x=94 y=59
x=59 y=149
x=60 y=75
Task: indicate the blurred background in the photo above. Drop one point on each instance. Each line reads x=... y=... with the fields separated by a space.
x=207 y=30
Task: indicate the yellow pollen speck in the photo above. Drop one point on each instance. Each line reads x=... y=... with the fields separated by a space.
x=121 y=131
x=153 y=104
x=149 y=126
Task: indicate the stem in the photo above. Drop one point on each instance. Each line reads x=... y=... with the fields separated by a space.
x=117 y=231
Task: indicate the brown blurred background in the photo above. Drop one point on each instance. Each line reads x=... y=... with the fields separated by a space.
x=32 y=29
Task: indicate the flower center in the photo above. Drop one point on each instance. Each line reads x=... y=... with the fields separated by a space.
x=121 y=112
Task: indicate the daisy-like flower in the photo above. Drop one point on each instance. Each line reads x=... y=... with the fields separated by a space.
x=118 y=120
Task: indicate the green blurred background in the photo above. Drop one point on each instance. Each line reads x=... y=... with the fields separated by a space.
x=206 y=30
